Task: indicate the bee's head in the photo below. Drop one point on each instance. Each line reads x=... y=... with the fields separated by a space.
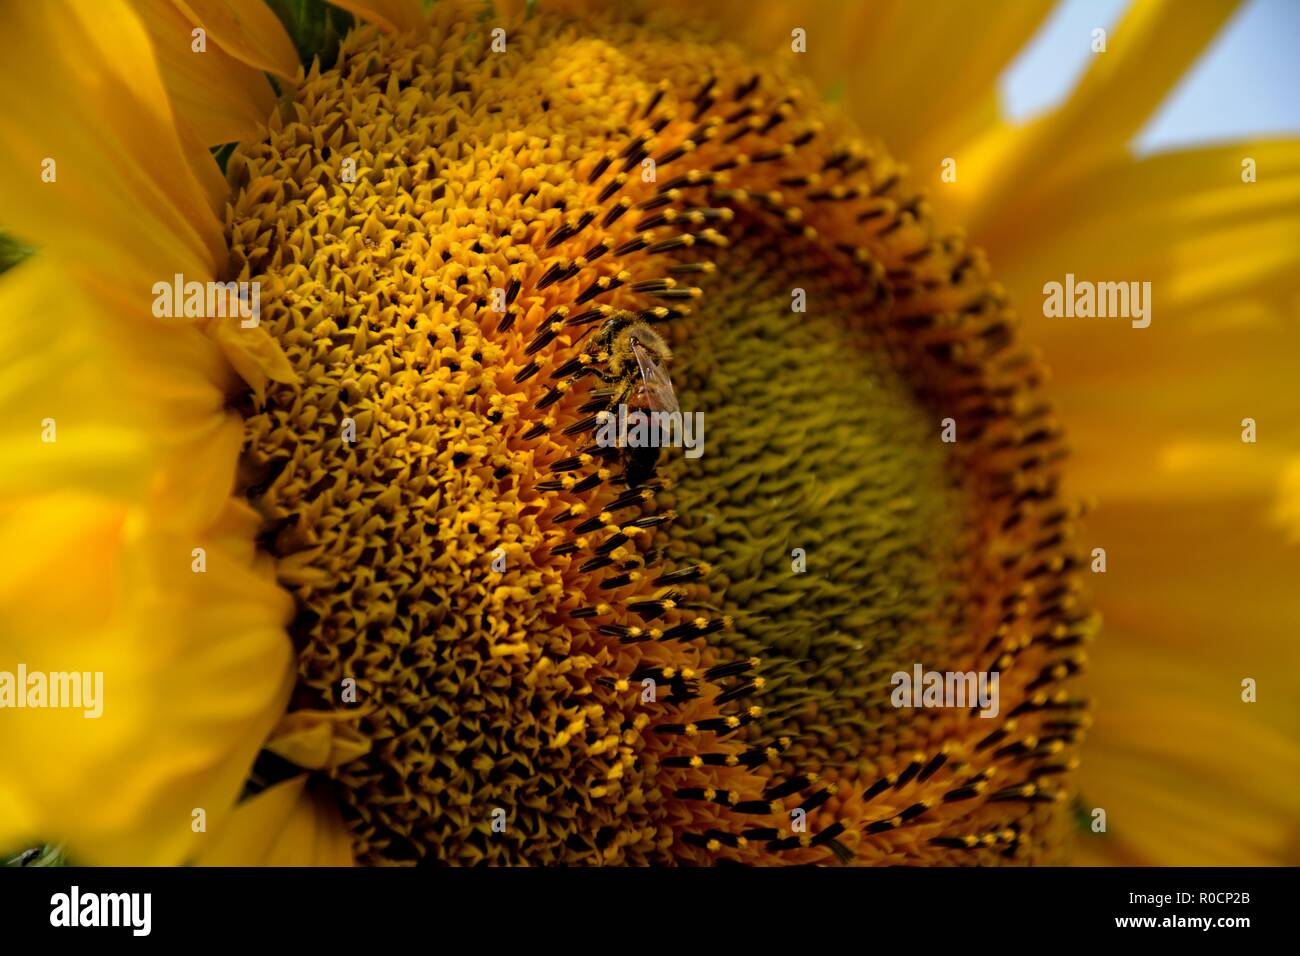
x=611 y=327
x=622 y=356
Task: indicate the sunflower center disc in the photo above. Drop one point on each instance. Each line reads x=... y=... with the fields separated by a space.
x=549 y=665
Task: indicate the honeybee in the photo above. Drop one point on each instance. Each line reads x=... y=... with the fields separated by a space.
x=637 y=364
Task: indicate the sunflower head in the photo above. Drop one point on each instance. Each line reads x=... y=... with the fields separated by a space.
x=363 y=580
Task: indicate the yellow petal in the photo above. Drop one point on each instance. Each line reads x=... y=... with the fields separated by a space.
x=1286 y=512
x=218 y=95
x=116 y=404
x=62 y=419
x=247 y=30
x=79 y=86
x=318 y=739
x=204 y=166
x=253 y=353
x=391 y=16
x=1185 y=221
x=196 y=669
x=1147 y=53
x=284 y=825
x=1195 y=599
x=918 y=76
x=1188 y=776
x=1223 y=261
x=1159 y=416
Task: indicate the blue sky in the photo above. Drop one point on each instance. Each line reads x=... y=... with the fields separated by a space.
x=1246 y=83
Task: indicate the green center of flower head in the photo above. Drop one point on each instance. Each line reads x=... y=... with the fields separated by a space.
x=823 y=501
x=552 y=663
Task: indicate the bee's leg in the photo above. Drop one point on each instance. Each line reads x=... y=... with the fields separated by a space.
x=575 y=368
x=598 y=400
x=602 y=398
x=603 y=402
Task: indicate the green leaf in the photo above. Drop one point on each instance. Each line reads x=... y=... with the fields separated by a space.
x=38 y=856
x=12 y=252
x=315 y=27
x=222 y=154
x=1081 y=814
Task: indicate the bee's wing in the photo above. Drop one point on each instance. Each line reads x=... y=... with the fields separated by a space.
x=655 y=383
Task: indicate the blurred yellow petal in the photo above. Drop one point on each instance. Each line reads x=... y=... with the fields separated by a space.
x=121 y=397
x=205 y=168
x=222 y=98
x=1287 y=510
x=1187 y=774
x=1159 y=414
x=196 y=671
x=391 y=16
x=284 y=825
x=1223 y=260
x=1184 y=221
x=895 y=89
x=1193 y=577
x=835 y=34
x=1147 y=53
x=79 y=403
x=79 y=86
x=118 y=404
x=1194 y=600
x=248 y=31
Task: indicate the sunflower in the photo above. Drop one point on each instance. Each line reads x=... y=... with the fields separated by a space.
x=364 y=589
